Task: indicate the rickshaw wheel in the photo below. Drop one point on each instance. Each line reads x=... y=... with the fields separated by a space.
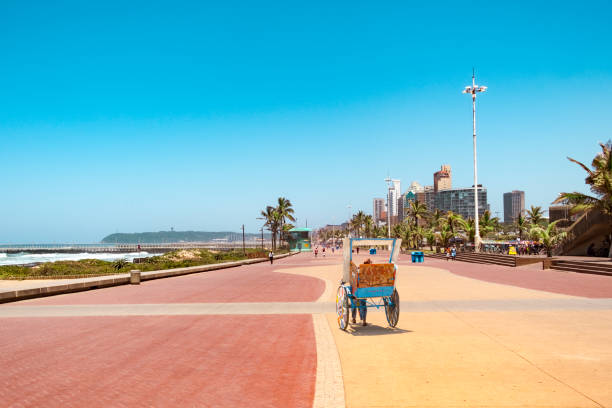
x=342 y=308
x=392 y=308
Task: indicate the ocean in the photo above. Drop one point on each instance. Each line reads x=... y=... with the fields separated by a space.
x=22 y=258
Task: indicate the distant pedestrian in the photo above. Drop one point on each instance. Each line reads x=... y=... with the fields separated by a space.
x=447 y=254
x=453 y=252
x=271 y=257
x=323 y=250
x=316 y=251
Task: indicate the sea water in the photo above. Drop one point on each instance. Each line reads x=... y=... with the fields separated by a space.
x=22 y=258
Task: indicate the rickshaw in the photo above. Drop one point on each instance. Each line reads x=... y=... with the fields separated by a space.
x=368 y=285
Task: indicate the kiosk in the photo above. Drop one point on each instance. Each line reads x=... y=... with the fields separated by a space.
x=299 y=240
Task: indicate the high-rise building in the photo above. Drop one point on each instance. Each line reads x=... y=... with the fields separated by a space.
x=404 y=204
x=461 y=201
x=394 y=195
x=514 y=205
x=443 y=179
x=379 y=208
x=427 y=196
x=415 y=187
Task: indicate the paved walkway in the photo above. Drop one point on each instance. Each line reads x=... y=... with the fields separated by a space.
x=260 y=335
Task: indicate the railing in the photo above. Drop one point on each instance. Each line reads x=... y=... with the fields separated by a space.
x=580 y=227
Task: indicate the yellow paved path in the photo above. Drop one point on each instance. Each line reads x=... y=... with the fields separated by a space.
x=469 y=343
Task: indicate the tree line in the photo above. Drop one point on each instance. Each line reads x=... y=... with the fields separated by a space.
x=440 y=228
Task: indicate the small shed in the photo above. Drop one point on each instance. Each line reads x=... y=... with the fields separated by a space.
x=299 y=240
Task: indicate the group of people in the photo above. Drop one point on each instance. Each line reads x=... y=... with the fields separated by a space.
x=316 y=250
x=451 y=252
x=532 y=248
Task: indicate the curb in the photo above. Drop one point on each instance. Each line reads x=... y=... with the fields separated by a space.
x=122 y=279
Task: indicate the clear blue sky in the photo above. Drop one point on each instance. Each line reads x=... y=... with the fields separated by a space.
x=141 y=116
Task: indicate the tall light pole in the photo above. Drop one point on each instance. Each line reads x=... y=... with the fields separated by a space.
x=388 y=181
x=473 y=90
x=348 y=224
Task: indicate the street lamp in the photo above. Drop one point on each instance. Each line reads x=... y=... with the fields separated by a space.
x=388 y=180
x=473 y=90
x=348 y=223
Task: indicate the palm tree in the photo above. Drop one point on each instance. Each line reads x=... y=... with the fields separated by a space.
x=550 y=237
x=521 y=225
x=368 y=225
x=445 y=235
x=430 y=236
x=488 y=223
x=417 y=211
x=418 y=233
x=599 y=180
x=469 y=228
x=380 y=232
x=273 y=222
x=358 y=221
x=535 y=215
x=453 y=220
x=285 y=210
x=435 y=219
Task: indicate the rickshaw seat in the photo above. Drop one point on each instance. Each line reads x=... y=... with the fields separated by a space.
x=372 y=275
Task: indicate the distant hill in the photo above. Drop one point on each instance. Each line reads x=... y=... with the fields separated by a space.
x=161 y=237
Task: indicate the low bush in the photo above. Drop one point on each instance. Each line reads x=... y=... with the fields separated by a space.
x=170 y=260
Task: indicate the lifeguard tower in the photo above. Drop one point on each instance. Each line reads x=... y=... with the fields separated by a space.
x=299 y=240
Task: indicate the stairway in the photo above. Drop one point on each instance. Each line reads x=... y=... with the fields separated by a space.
x=483 y=258
x=598 y=268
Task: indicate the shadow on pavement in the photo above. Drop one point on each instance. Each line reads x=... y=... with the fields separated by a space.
x=374 y=330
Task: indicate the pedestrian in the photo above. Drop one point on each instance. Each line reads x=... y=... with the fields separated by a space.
x=454 y=252
x=271 y=257
x=357 y=250
x=447 y=254
x=323 y=250
x=316 y=251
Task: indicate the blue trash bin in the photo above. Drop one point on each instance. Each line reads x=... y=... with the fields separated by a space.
x=414 y=257
x=417 y=257
x=372 y=251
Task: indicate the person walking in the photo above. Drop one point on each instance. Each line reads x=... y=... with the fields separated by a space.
x=447 y=254
x=454 y=252
x=271 y=257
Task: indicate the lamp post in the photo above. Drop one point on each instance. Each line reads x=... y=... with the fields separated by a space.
x=388 y=180
x=473 y=90
x=348 y=223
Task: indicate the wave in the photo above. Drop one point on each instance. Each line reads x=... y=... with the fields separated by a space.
x=2 y=254
x=25 y=258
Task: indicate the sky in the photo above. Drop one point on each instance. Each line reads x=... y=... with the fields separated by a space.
x=142 y=116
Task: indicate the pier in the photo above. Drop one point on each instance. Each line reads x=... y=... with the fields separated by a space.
x=126 y=248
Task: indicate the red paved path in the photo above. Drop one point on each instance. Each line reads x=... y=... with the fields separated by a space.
x=167 y=361
x=252 y=283
x=177 y=361
x=530 y=277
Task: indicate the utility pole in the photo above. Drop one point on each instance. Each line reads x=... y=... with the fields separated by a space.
x=243 y=247
x=473 y=90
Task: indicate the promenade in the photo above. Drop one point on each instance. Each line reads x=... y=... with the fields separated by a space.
x=266 y=336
